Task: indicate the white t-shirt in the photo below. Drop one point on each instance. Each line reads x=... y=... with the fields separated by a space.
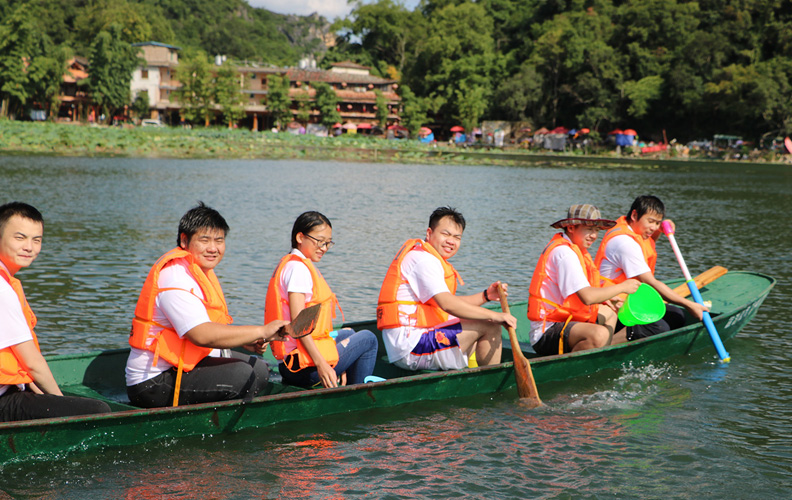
x=565 y=276
x=177 y=309
x=623 y=253
x=295 y=278
x=425 y=279
x=13 y=326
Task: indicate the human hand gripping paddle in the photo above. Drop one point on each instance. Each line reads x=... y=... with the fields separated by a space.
x=668 y=229
x=526 y=386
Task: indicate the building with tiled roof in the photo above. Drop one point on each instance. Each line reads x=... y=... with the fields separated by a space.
x=353 y=83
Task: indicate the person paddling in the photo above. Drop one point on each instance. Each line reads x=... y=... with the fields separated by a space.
x=425 y=325
x=27 y=388
x=297 y=284
x=182 y=334
x=628 y=251
x=565 y=292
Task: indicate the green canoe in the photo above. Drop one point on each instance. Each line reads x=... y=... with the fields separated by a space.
x=735 y=299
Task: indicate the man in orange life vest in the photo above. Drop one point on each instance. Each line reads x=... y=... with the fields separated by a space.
x=181 y=334
x=628 y=251
x=425 y=325
x=27 y=388
x=565 y=292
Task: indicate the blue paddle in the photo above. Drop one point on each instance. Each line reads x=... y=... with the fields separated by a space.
x=694 y=291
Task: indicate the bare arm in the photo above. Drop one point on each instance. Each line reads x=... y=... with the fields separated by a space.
x=37 y=366
x=669 y=295
x=219 y=336
x=596 y=295
x=477 y=299
x=463 y=309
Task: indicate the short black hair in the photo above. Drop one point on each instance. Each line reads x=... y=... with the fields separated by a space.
x=645 y=204
x=200 y=217
x=18 y=208
x=305 y=222
x=441 y=212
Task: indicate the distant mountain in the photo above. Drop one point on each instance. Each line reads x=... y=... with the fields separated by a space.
x=229 y=27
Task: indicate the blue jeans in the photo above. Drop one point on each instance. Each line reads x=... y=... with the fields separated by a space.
x=355 y=357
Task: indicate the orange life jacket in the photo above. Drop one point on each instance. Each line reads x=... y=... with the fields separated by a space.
x=167 y=344
x=320 y=294
x=12 y=370
x=426 y=315
x=572 y=308
x=647 y=247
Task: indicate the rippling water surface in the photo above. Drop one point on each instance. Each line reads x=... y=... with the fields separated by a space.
x=682 y=428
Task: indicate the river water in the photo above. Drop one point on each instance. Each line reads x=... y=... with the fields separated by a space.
x=687 y=427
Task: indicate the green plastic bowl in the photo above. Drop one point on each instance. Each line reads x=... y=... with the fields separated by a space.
x=642 y=307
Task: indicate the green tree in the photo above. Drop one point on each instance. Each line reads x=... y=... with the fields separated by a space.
x=327 y=104
x=228 y=93
x=278 y=100
x=31 y=66
x=196 y=94
x=459 y=54
x=112 y=62
x=413 y=113
x=303 y=99
x=140 y=105
x=381 y=113
x=471 y=104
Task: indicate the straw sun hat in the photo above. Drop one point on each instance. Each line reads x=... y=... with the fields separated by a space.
x=586 y=214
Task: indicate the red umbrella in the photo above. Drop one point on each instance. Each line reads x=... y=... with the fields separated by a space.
x=364 y=125
x=457 y=128
x=630 y=131
x=559 y=130
x=396 y=126
x=425 y=130
x=615 y=132
x=336 y=125
x=584 y=131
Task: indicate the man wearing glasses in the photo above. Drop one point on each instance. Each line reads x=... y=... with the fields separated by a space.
x=425 y=325
x=181 y=333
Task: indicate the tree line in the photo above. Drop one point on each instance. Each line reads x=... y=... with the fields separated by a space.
x=38 y=37
x=695 y=68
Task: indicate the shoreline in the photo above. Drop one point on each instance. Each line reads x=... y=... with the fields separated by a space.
x=59 y=139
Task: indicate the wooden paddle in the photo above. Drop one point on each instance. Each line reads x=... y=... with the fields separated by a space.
x=702 y=279
x=526 y=386
x=303 y=324
x=713 y=332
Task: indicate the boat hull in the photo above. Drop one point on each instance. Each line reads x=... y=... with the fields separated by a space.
x=736 y=298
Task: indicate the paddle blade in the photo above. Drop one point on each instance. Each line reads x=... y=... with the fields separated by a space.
x=304 y=323
x=526 y=386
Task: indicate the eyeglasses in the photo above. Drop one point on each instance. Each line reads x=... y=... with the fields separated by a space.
x=327 y=245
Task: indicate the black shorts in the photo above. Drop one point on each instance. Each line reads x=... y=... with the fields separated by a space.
x=674 y=318
x=547 y=345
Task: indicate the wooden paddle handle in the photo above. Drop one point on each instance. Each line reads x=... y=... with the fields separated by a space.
x=702 y=279
x=526 y=386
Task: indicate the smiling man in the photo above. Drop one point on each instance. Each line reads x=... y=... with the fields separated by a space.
x=27 y=388
x=628 y=251
x=425 y=325
x=565 y=293
x=182 y=333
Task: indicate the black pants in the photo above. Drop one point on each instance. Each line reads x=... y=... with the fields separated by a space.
x=212 y=379
x=674 y=318
x=27 y=405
